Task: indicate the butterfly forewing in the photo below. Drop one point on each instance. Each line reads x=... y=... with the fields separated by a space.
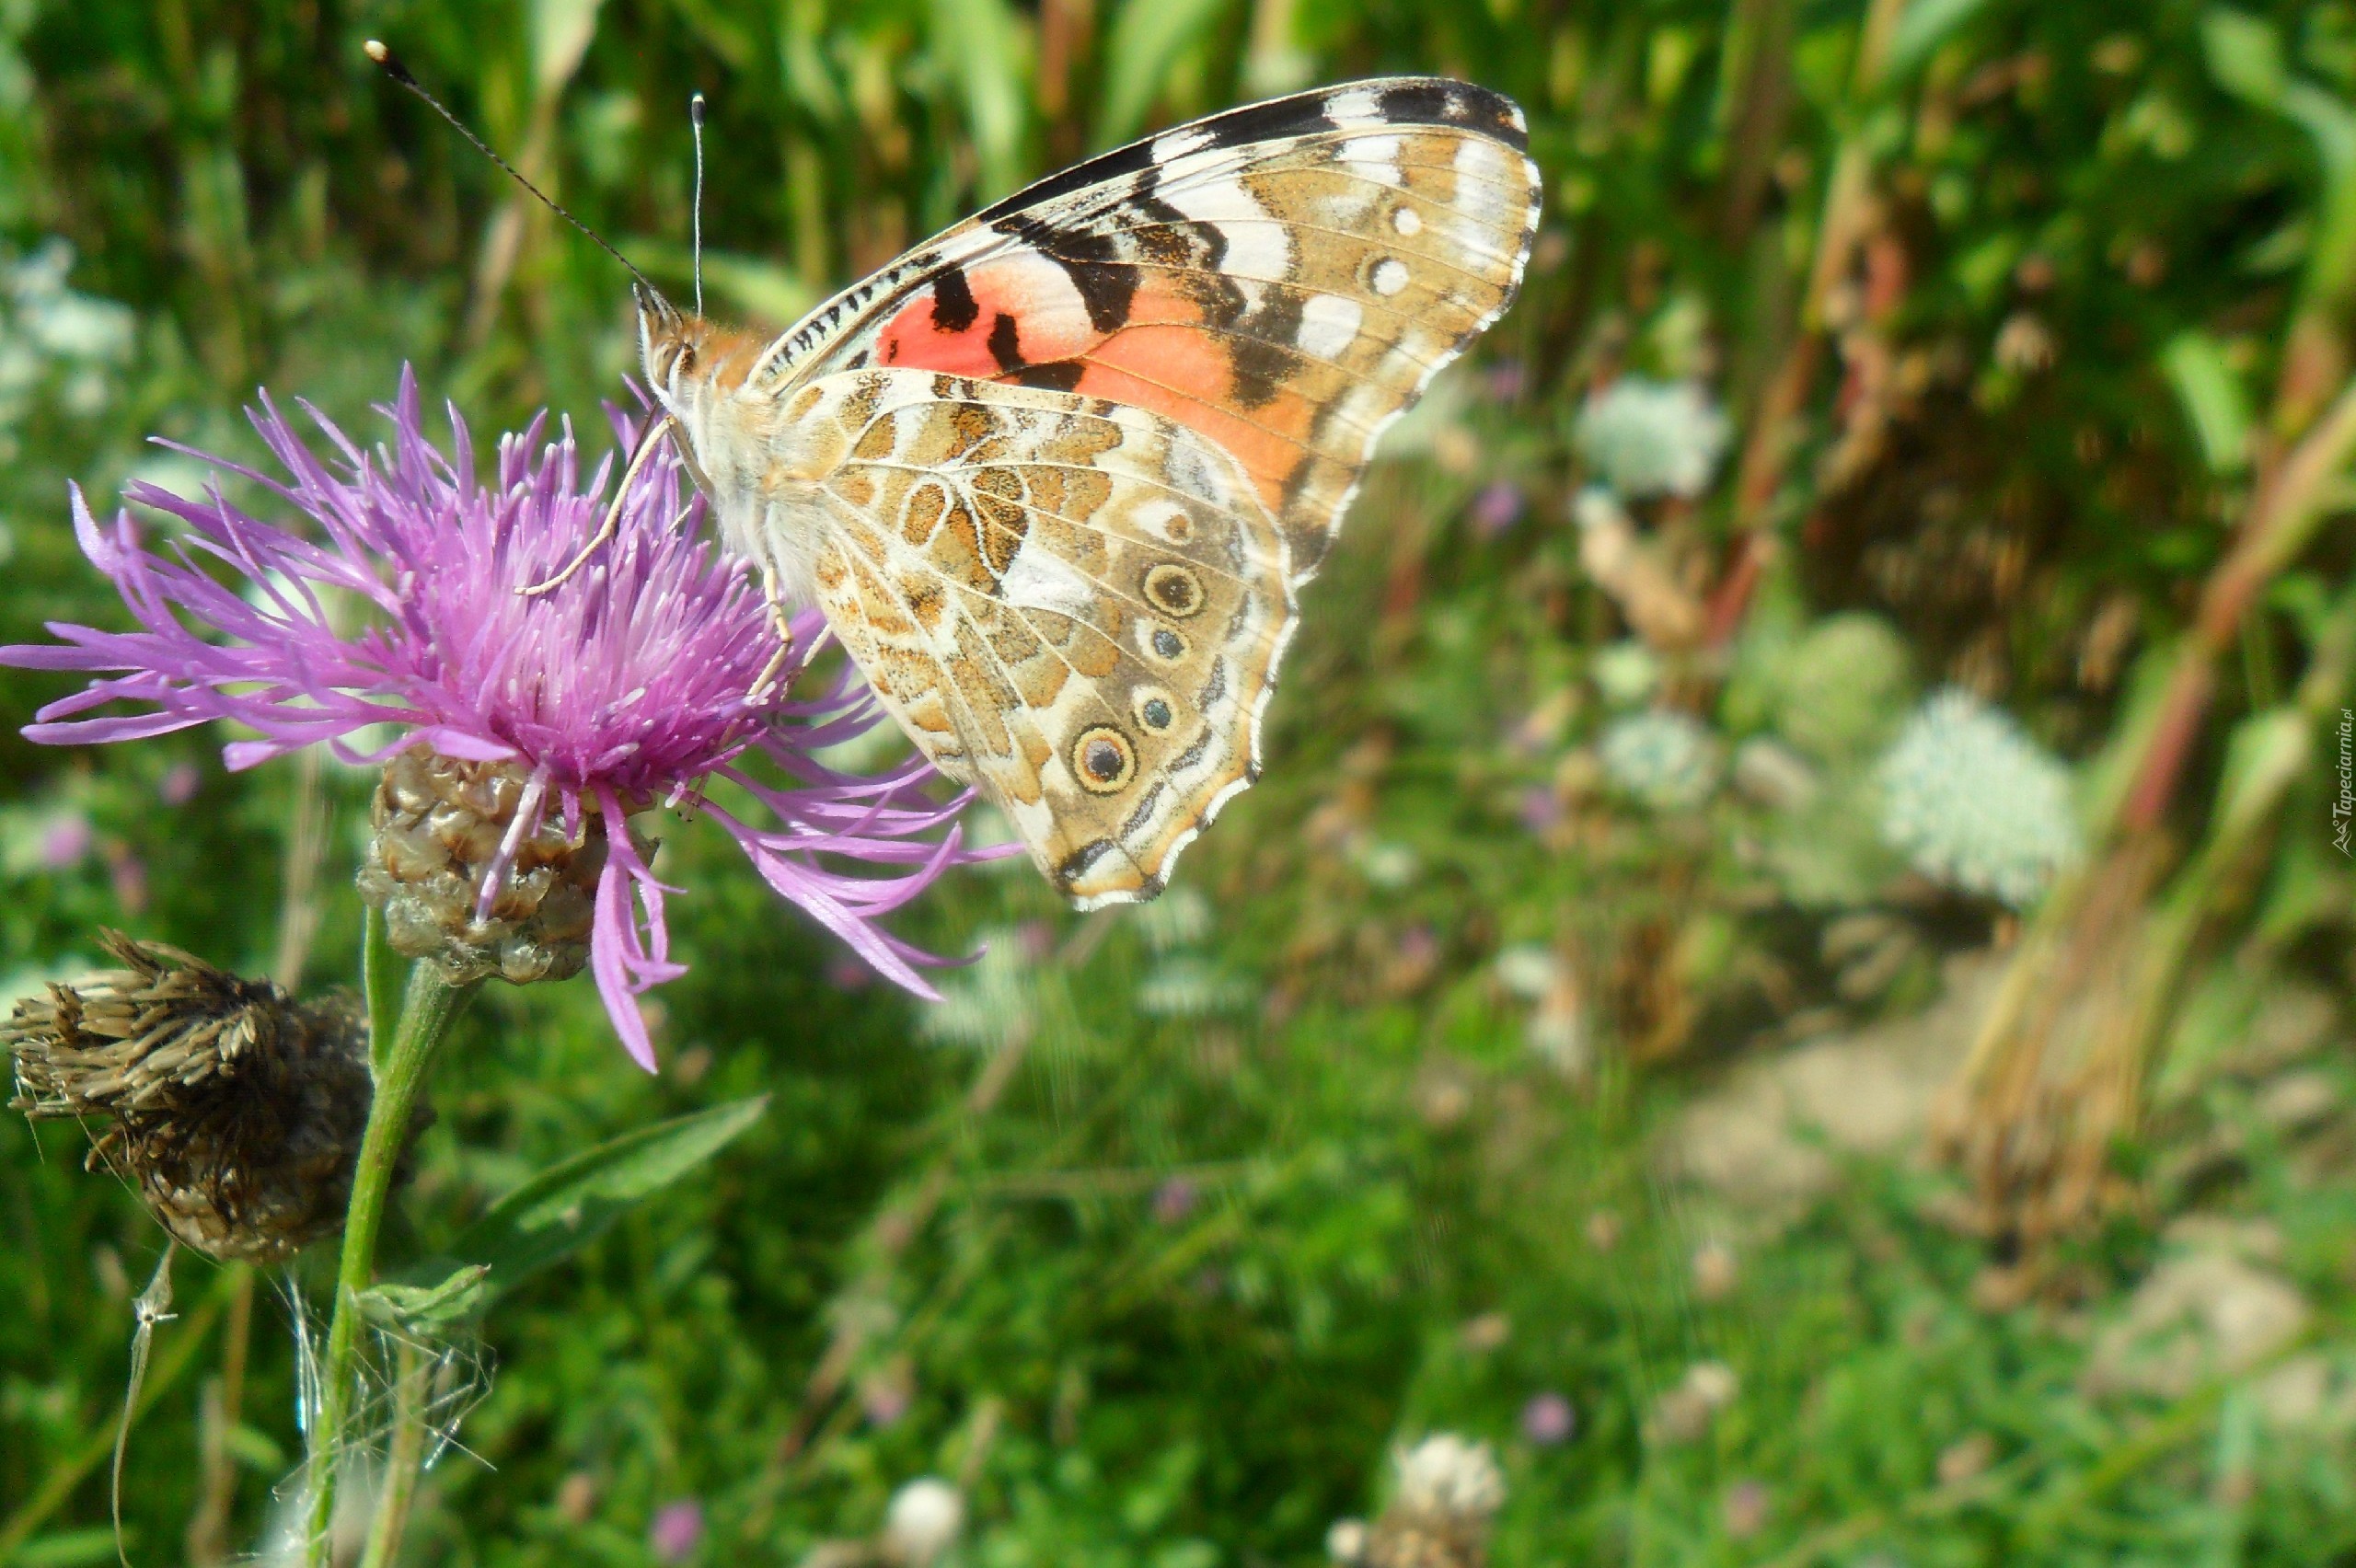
x=1284 y=279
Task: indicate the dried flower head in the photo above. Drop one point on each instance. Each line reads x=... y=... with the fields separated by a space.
x=540 y=722
x=1975 y=804
x=1449 y=1490
x=1646 y=438
x=234 y=1109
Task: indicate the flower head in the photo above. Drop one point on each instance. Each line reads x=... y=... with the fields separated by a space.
x=630 y=684
x=1975 y=803
x=233 y=1109
x=1666 y=759
x=1646 y=438
x=921 y=1521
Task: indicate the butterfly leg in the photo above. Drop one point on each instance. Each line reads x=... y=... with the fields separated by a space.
x=638 y=459
x=783 y=620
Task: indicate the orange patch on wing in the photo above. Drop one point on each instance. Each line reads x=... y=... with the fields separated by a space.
x=1162 y=359
x=1020 y=309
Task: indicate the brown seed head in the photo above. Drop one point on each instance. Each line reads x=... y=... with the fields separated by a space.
x=236 y=1111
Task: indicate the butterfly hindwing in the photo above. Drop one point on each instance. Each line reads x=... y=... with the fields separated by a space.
x=1077 y=603
x=1283 y=278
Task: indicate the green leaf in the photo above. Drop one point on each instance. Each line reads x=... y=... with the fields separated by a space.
x=2245 y=55
x=69 y=1549
x=570 y=1204
x=1150 y=36
x=1922 y=28
x=560 y=33
x=2264 y=756
x=2213 y=399
x=981 y=48
x=430 y=1309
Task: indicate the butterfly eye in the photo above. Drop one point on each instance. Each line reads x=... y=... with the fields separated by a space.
x=1154 y=710
x=1104 y=760
x=1175 y=588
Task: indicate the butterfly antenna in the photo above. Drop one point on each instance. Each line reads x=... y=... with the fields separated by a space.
x=695 y=118
x=400 y=73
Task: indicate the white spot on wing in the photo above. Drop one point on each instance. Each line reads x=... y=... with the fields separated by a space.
x=1373 y=157
x=1408 y=222
x=1390 y=276
x=1353 y=104
x=1256 y=246
x=1178 y=143
x=1160 y=521
x=1036 y=580
x=1329 y=324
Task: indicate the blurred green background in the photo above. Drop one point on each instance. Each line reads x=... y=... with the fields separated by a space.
x=1575 y=1019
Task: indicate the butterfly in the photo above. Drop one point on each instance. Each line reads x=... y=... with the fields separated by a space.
x=1056 y=477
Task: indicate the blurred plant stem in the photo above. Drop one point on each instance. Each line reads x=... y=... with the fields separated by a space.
x=222 y=1404
x=221 y=1408
x=403 y=1458
x=59 y=1484
x=561 y=32
x=427 y=1009
x=298 y=888
x=2059 y=1067
x=1774 y=423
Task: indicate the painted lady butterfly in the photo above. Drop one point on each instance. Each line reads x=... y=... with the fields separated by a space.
x=1056 y=476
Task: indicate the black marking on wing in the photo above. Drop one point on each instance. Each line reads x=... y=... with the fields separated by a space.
x=1403 y=100
x=953 y=308
x=1143 y=814
x=1006 y=343
x=1055 y=376
x=1433 y=101
x=1107 y=284
x=1076 y=864
x=1300 y=115
x=1213 y=688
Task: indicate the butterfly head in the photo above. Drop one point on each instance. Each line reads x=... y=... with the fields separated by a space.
x=670 y=345
x=689 y=361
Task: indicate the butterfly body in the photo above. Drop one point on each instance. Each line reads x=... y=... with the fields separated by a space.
x=1055 y=476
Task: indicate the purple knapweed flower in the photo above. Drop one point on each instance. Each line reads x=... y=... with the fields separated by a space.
x=66 y=841
x=557 y=717
x=1497 y=508
x=1548 y=1419
x=676 y=1531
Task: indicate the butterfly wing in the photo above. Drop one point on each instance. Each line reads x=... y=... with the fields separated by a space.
x=1075 y=602
x=1284 y=279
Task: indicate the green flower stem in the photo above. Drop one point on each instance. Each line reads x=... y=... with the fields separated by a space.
x=427 y=1007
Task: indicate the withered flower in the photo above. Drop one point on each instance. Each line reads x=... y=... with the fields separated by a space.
x=1449 y=1490
x=234 y=1109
